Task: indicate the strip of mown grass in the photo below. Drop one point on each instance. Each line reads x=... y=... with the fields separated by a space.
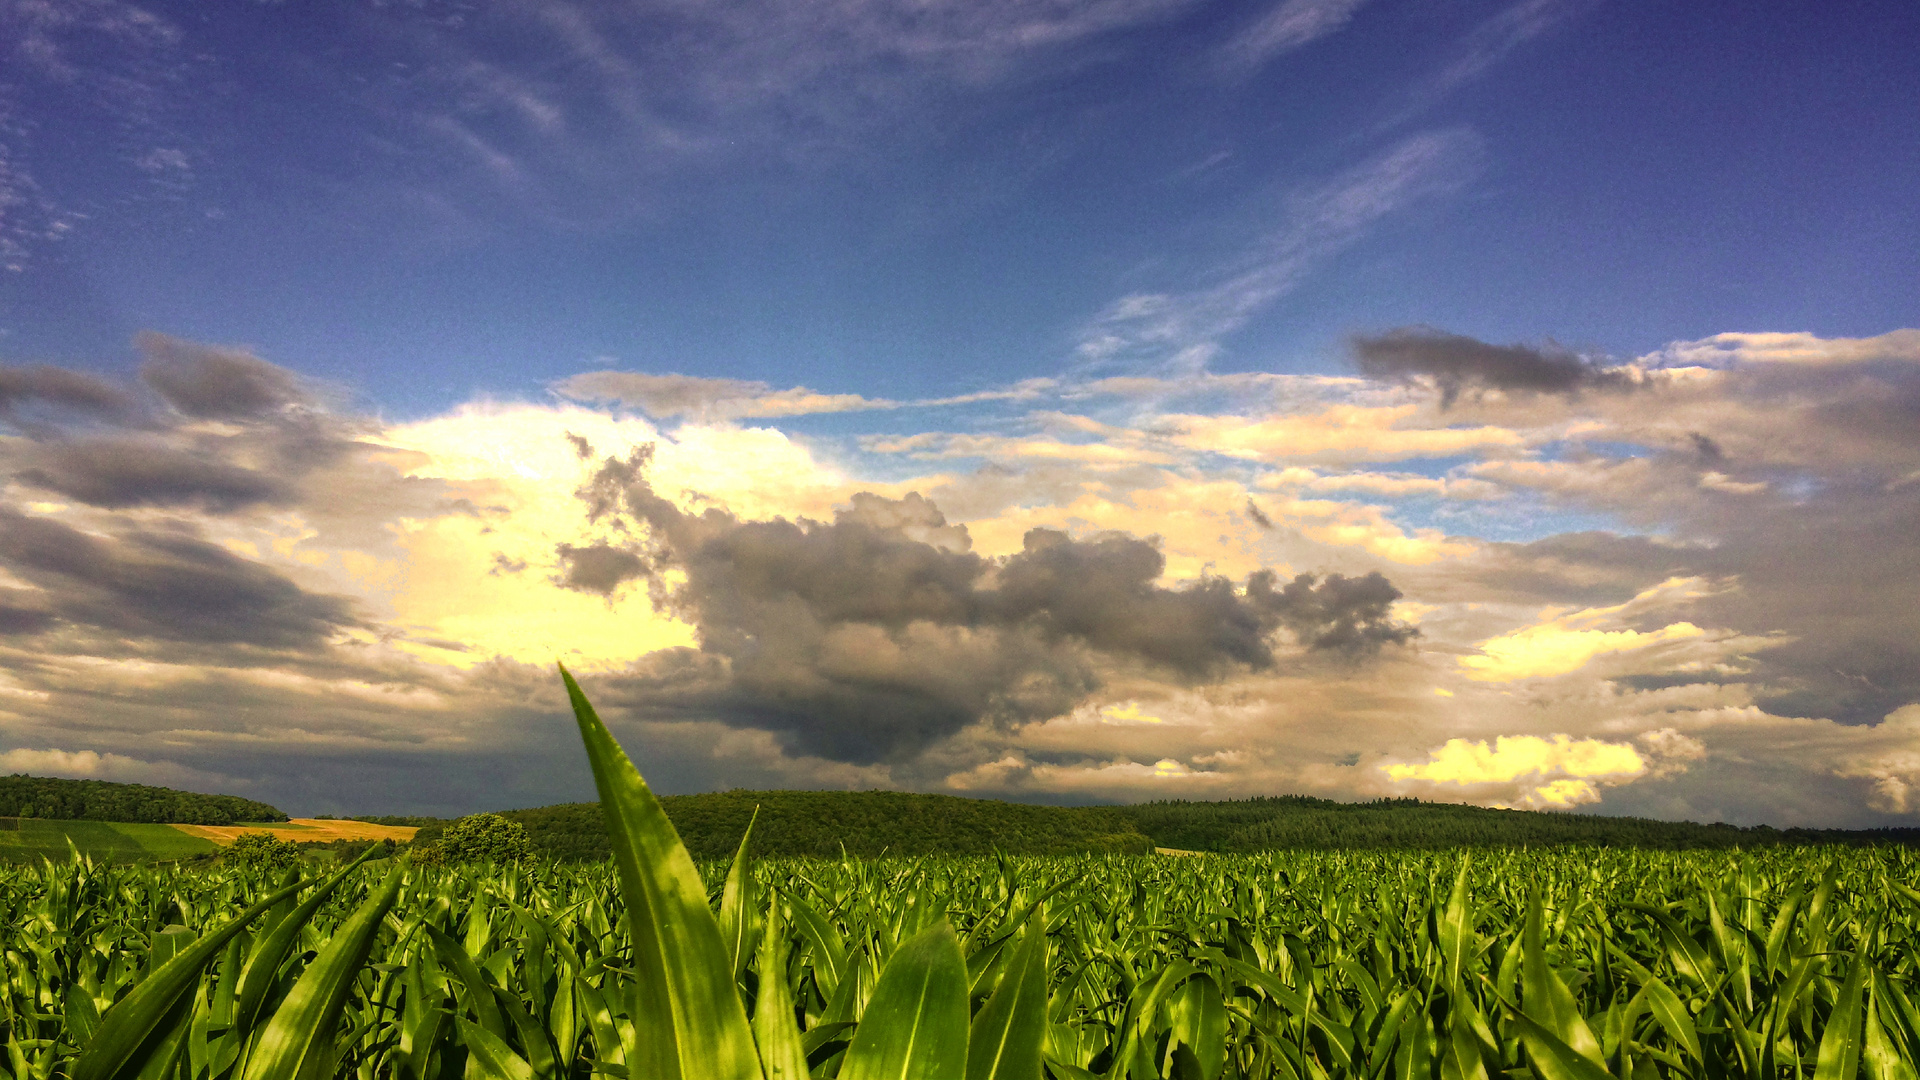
x=28 y=839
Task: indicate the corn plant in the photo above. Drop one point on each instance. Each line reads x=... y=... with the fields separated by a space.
x=1555 y=964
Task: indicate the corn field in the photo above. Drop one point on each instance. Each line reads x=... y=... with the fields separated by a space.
x=1560 y=964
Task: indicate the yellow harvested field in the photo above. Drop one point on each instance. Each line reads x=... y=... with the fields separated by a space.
x=305 y=831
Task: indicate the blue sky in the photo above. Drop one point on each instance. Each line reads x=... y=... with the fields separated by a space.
x=1511 y=401
x=431 y=201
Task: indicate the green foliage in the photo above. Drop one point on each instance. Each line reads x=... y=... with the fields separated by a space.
x=483 y=838
x=868 y=823
x=261 y=851
x=1294 y=822
x=23 y=796
x=874 y=823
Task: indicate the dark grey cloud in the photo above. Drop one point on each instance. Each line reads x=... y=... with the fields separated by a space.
x=875 y=635
x=72 y=390
x=1455 y=362
x=22 y=612
x=1823 y=575
x=118 y=473
x=599 y=568
x=207 y=382
x=170 y=586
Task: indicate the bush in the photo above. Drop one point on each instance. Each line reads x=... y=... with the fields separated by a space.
x=482 y=838
x=262 y=851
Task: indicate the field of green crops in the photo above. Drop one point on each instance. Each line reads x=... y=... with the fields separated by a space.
x=1561 y=965
x=30 y=839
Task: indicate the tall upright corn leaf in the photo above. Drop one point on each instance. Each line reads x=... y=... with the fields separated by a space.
x=774 y=1029
x=915 y=1025
x=688 y=1022
x=1544 y=996
x=1839 y=1054
x=739 y=908
x=1004 y=1041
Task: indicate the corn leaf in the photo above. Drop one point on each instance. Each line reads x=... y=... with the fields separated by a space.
x=689 y=1023
x=1005 y=1039
x=298 y=1041
x=130 y=1035
x=915 y=1026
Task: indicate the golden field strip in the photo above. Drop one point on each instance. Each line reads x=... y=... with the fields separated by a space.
x=304 y=831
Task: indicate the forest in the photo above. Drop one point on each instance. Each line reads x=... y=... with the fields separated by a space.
x=873 y=823
x=47 y=797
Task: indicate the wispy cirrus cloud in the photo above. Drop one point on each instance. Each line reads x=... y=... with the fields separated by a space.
x=1182 y=332
x=704 y=399
x=707 y=398
x=1283 y=28
x=1488 y=43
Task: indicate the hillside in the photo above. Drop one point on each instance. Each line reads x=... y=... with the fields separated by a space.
x=1302 y=823
x=52 y=798
x=868 y=823
x=818 y=823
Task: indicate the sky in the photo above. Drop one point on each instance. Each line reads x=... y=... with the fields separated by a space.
x=1513 y=402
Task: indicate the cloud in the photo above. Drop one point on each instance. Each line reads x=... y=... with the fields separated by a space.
x=73 y=390
x=1285 y=27
x=119 y=768
x=1500 y=34
x=706 y=399
x=169 y=586
x=599 y=568
x=751 y=607
x=877 y=634
x=1453 y=362
x=207 y=382
x=1182 y=331
x=1723 y=351
x=1336 y=433
x=1557 y=772
x=118 y=473
x=1541 y=651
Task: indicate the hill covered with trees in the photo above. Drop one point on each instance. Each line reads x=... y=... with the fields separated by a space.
x=818 y=823
x=1304 y=823
x=871 y=823
x=53 y=798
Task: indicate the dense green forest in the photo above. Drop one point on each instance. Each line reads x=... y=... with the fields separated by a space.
x=23 y=796
x=1296 y=822
x=869 y=823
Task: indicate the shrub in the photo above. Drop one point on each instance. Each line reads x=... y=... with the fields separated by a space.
x=262 y=851
x=484 y=838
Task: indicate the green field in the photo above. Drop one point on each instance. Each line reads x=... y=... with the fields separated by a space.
x=1550 y=965
x=28 y=839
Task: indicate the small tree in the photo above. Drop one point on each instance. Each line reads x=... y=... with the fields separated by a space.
x=262 y=851
x=484 y=838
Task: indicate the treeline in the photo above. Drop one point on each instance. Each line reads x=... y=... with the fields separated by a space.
x=1295 y=822
x=23 y=796
x=824 y=823
x=871 y=823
